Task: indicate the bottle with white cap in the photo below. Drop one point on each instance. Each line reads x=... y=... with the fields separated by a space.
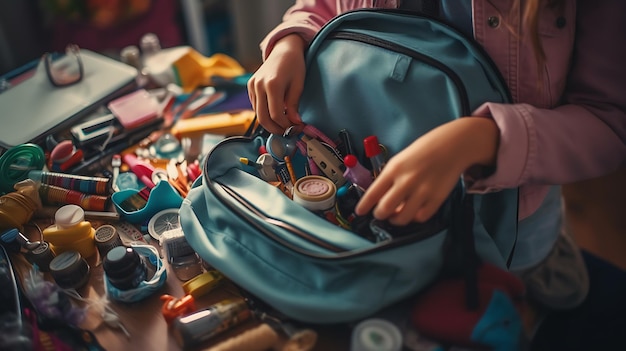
x=71 y=232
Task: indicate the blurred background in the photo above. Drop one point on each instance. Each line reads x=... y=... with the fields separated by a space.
x=28 y=28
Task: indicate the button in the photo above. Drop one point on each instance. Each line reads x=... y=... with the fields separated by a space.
x=560 y=22
x=493 y=21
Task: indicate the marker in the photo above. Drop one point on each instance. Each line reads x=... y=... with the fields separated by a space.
x=374 y=152
x=248 y=162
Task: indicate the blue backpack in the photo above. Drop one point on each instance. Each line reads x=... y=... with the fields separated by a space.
x=390 y=73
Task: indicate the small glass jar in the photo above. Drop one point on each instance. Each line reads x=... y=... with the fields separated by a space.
x=125 y=269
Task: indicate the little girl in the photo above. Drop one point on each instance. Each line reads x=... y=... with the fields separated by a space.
x=563 y=61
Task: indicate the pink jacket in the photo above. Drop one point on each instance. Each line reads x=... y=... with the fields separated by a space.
x=569 y=127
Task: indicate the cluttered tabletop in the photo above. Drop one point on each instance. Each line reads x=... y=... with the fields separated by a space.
x=89 y=209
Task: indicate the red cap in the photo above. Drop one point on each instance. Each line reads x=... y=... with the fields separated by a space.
x=350 y=161
x=372 y=147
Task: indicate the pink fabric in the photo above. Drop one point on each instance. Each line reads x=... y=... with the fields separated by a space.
x=160 y=20
x=568 y=126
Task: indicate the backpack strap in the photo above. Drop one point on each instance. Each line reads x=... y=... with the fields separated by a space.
x=460 y=257
x=428 y=7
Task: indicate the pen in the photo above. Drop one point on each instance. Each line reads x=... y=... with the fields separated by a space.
x=292 y=174
x=374 y=152
x=347 y=143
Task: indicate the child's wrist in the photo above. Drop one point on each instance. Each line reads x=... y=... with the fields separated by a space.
x=483 y=139
x=290 y=42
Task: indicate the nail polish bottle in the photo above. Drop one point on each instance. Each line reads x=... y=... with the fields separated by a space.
x=356 y=172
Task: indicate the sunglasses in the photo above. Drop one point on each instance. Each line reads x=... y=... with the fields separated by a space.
x=66 y=69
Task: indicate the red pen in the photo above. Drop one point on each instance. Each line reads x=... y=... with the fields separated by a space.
x=374 y=152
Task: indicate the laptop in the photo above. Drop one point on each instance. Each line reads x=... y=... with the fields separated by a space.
x=33 y=108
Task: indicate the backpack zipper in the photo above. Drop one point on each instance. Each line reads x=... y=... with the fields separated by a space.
x=337 y=252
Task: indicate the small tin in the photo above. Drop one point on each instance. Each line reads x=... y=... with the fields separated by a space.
x=107 y=238
x=315 y=193
x=42 y=255
x=70 y=270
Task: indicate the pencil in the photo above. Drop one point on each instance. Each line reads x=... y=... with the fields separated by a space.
x=292 y=174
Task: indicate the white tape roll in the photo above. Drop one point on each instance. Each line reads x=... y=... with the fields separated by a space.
x=315 y=193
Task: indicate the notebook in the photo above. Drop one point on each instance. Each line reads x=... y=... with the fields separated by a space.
x=34 y=108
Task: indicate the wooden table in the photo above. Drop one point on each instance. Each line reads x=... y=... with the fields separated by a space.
x=145 y=323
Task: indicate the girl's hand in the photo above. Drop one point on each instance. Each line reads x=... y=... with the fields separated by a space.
x=275 y=88
x=416 y=181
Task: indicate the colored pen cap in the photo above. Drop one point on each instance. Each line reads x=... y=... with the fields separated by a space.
x=372 y=146
x=69 y=216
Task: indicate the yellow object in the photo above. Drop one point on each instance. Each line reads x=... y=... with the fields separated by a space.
x=235 y=123
x=193 y=69
x=202 y=283
x=71 y=232
x=17 y=208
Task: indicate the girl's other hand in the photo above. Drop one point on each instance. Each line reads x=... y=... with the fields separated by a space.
x=416 y=181
x=275 y=88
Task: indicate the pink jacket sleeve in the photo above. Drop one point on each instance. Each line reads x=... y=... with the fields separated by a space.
x=583 y=138
x=306 y=17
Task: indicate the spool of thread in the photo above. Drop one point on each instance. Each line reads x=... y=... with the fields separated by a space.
x=55 y=195
x=124 y=268
x=90 y=185
x=376 y=334
x=107 y=238
x=315 y=193
x=70 y=270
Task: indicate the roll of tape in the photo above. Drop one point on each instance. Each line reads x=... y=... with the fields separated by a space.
x=376 y=334
x=315 y=193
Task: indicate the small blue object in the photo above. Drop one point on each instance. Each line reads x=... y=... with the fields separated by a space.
x=127 y=181
x=9 y=235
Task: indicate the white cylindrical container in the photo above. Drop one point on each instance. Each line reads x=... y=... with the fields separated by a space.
x=315 y=193
x=376 y=334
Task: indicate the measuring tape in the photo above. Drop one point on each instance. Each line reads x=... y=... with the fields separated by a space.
x=16 y=162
